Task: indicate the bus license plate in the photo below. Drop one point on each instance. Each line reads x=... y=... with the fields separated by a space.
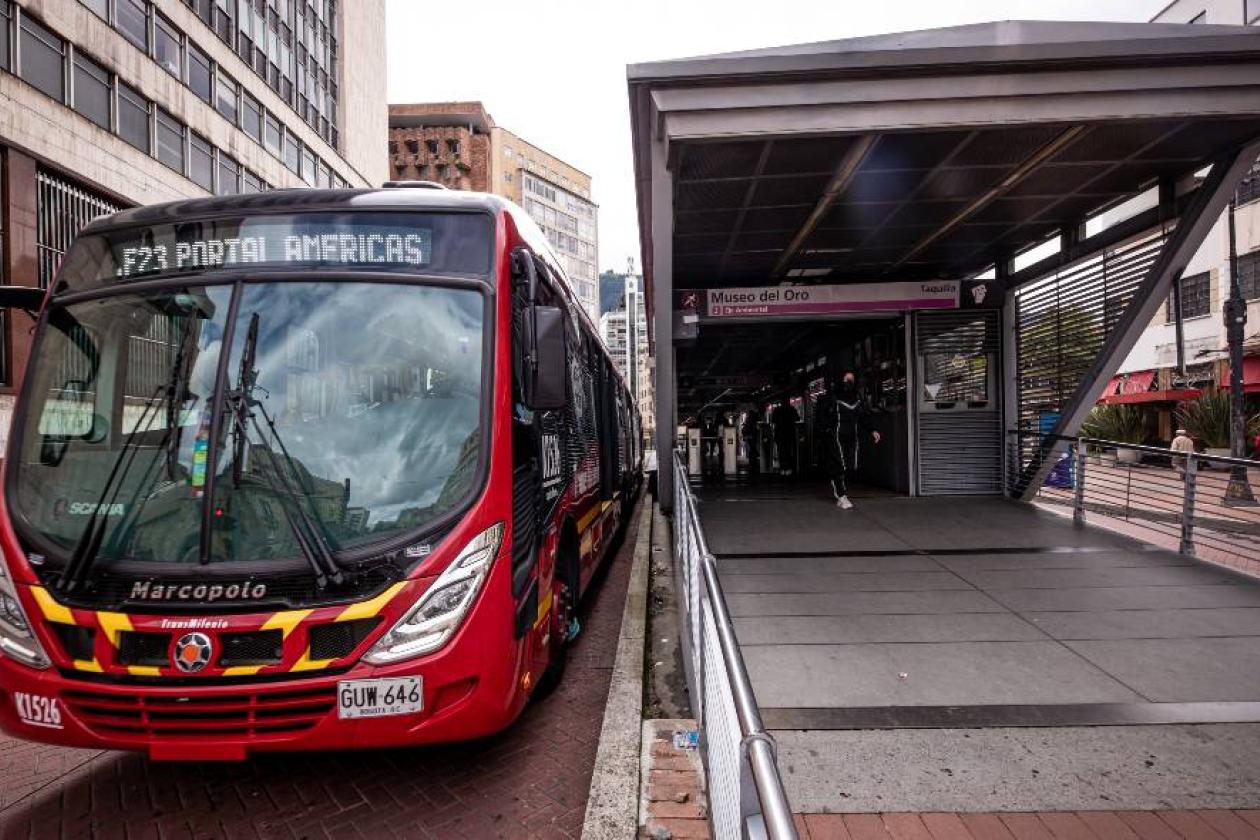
x=379 y=698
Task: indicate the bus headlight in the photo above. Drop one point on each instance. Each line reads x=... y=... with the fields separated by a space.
x=17 y=639
x=441 y=610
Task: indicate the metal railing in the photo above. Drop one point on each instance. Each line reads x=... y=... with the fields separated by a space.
x=1202 y=505
x=746 y=797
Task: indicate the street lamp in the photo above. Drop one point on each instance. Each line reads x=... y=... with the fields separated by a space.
x=1238 y=491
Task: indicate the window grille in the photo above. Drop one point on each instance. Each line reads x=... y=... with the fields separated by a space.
x=62 y=209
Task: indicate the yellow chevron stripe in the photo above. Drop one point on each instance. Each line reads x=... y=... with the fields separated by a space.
x=87 y=665
x=544 y=608
x=586 y=521
x=367 y=609
x=144 y=671
x=52 y=610
x=112 y=624
x=308 y=664
x=286 y=622
x=242 y=670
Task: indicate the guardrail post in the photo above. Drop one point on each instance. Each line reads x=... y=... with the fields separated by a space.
x=1187 y=505
x=1078 y=506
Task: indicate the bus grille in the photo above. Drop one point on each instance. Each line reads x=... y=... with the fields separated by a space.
x=211 y=716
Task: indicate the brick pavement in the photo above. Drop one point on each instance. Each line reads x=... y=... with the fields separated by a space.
x=528 y=782
x=1061 y=825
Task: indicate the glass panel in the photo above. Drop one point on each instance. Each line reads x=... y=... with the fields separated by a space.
x=251 y=116
x=201 y=162
x=42 y=58
x=101 y=7
x=225 y=96
x=6 y=22
x=167 y=51
x=103 y=388
x=131 y=22
x=308 y=166
x=170 y=141
x=273 y=136
x=133 y=118
x=199 y=73
x=91 y=91
x=250 y=182
x=292 y=152
x=229 y=175
x=372 y=438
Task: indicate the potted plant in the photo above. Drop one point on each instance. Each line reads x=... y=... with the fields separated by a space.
x=1121 y=423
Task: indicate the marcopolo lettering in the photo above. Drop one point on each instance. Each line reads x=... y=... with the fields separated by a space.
x=147 y=590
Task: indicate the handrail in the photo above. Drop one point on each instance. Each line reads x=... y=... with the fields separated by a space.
x=1137 y=447
x=756 y=741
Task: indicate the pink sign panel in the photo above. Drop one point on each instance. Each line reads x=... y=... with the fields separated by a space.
x=831 y=300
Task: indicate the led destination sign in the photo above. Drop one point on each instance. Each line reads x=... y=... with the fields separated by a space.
x=358 y=248
x=431 y=242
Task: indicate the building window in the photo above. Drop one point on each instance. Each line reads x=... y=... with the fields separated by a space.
x=131 y=20
x=272 y=137
x=199 y=73
x=1251 y=11
x=251 y=116
x=308 y=166
x=101 y=7
x=292 y=153
x=170 y=141
x=1196 y=297
x=452 y=146
x=1249 y=189
x=431 y=146
x=133 y=118
x=167 y=47
x=43 y=59
x=250 y=183
x=1249 y=275
x=225 y=96
x=91 y=91
x=201 y=162
x=6 y=51
x=229 y=176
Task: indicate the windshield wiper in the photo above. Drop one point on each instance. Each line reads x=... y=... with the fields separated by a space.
x=89 y=543
x=242 y=404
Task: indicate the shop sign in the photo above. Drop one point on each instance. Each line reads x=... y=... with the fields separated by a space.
x=831 y=300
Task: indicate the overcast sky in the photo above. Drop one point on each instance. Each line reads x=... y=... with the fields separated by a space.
x=555 y=72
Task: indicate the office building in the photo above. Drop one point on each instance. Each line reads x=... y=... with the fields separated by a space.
x=459 y=145
x=106 y=104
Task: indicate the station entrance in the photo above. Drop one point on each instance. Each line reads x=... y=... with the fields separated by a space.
x=753 y=401
x=1058 y=179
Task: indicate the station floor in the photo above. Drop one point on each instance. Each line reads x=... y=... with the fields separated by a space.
x=976 y=653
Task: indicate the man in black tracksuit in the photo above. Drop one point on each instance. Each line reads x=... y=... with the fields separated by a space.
x=842 y=419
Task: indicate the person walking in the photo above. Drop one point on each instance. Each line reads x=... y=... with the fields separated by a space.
x=1183 y=444
x=752 y=441
x=784 y=419
x=842 y=420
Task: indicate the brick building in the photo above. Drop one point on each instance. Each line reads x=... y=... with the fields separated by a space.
x=106 y=104
x=458 y=145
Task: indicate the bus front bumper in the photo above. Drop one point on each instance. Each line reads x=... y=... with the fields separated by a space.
x=461 y=700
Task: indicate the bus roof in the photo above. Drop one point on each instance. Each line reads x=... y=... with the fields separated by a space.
x=301 y=200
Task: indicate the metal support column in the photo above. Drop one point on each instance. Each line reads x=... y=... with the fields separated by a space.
x=1078 y=505
x=663 y=317
x=1187 y=505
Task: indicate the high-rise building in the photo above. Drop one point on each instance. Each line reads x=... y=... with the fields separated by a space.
x=1151 y=376
x=106 y=104
x=624 y=330
x=458 y=145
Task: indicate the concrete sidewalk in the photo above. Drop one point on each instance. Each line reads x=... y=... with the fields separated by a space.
x=981 y=654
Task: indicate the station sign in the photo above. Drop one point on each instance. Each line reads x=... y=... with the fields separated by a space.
x=853 y=298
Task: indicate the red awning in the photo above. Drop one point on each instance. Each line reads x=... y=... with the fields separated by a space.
x=1126 y=384
x=1251 y=375
x=1171 y=396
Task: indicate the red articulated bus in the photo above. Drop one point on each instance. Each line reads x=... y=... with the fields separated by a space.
x=303 y=470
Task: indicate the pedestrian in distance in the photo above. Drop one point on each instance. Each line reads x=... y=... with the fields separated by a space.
x=1183 y=444
x=842 y=420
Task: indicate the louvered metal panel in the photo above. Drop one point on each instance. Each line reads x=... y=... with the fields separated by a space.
x=1063 y=320
x=960 y=451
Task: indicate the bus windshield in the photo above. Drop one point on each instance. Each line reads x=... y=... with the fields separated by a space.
x=195 y=423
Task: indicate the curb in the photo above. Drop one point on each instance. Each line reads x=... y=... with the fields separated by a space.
x=612 y=805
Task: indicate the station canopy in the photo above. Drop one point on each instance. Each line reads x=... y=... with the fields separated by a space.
x=930 y=154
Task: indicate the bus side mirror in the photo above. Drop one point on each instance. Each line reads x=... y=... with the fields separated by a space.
x=546 y=375
x=28 y=298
